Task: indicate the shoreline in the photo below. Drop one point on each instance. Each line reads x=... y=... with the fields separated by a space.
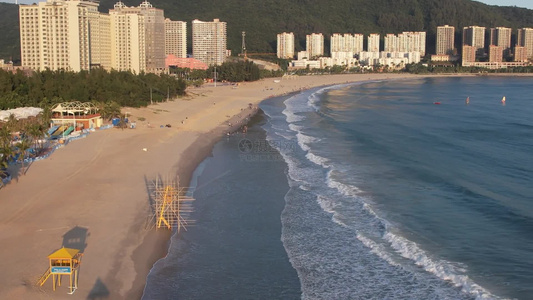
x=95 y=184
x=158 y=244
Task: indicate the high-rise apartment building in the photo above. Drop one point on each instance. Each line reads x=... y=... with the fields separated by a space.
x=346 y=43
x=469 y=54
x=495 y=53
x=285 y=45
x=501 y=36
x=373 y=42
x=209 y=41
x=391 y=43
x=445 y=40
x=56 y=34
x=475 y=36
x=358 y=42
x=525 y=39
x=176 y=38
x=128 y=50
x=520 y=54
x=412 y=42
x=100 y=39
x=314 y=44
x=406 y=42
x=137 y=38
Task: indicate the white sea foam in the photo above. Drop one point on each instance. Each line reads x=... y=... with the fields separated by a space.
x=345 y=189
x=295 y=128
x=377 y=249
x=327 y=204
x=441 y=268
x=305 y=140
x=318 y=160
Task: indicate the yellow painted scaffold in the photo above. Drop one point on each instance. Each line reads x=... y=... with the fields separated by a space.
x=171 y=205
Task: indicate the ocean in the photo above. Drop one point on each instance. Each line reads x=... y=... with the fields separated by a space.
x=366 y=191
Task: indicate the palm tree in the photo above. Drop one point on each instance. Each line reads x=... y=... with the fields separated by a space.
x=6 y=150
x=36 y=132
x=45 y=116
x=122 y=122
x=23 y=145
x=12 y=123
x=3 y=174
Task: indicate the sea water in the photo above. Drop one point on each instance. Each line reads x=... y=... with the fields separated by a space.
x=385 y=195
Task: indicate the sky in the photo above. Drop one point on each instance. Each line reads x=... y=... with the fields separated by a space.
x=518 y=3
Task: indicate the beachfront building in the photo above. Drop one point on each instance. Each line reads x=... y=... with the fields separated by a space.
x=412 y=42
x=285 y=44
x=395 y=60
x=445 y=40
x=185 y=62
x=474 y=36
x=209 y=41
x=525 y=39
x=520 y=54
x=304 y=64
x=391 y=43
x=346 y=43
x=495 y=53
x=373 y=43
x=137 y=38
x=501 y=36
x=175 y=38
x=100 y=39
x=78 y=115
x=56 y=34
x=469 y=54
x=314 y=44
x=405 y=42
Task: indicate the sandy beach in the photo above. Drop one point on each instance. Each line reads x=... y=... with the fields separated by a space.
x=93 y=194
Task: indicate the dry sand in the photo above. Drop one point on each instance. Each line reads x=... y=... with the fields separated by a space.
x=93 y=193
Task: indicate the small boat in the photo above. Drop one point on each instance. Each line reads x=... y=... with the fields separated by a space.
x=503 y=99
x=467 y=100
x=436 y=102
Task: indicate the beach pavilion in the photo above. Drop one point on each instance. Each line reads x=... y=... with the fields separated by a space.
x=82 y=115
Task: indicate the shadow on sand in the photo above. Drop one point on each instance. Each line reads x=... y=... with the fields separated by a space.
x=99 y=291
x=76 y=238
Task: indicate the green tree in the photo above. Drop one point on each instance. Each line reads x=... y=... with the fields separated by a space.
x=22 y=146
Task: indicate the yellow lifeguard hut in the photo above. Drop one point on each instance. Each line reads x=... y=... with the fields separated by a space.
x=65 y=261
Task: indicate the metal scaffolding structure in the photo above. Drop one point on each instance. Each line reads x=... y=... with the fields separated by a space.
x=171 y=205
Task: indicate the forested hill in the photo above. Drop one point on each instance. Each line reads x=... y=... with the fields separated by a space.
x=263 y=19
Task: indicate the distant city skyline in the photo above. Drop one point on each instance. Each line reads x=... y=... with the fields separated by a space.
x=518 y=3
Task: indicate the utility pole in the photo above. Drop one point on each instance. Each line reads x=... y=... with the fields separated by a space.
x=243 y=50
x=151 y=102
x=215 y=75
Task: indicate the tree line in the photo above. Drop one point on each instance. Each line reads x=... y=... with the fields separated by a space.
x=231 y=71
x=46 y=88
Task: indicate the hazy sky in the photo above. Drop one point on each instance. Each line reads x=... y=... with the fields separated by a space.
x=519 y=3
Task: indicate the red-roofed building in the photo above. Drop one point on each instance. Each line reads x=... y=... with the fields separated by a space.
x=191 y=63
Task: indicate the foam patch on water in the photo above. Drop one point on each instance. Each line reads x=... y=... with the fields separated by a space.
x=305 y=140
x=441 y=268
x=318 y=160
